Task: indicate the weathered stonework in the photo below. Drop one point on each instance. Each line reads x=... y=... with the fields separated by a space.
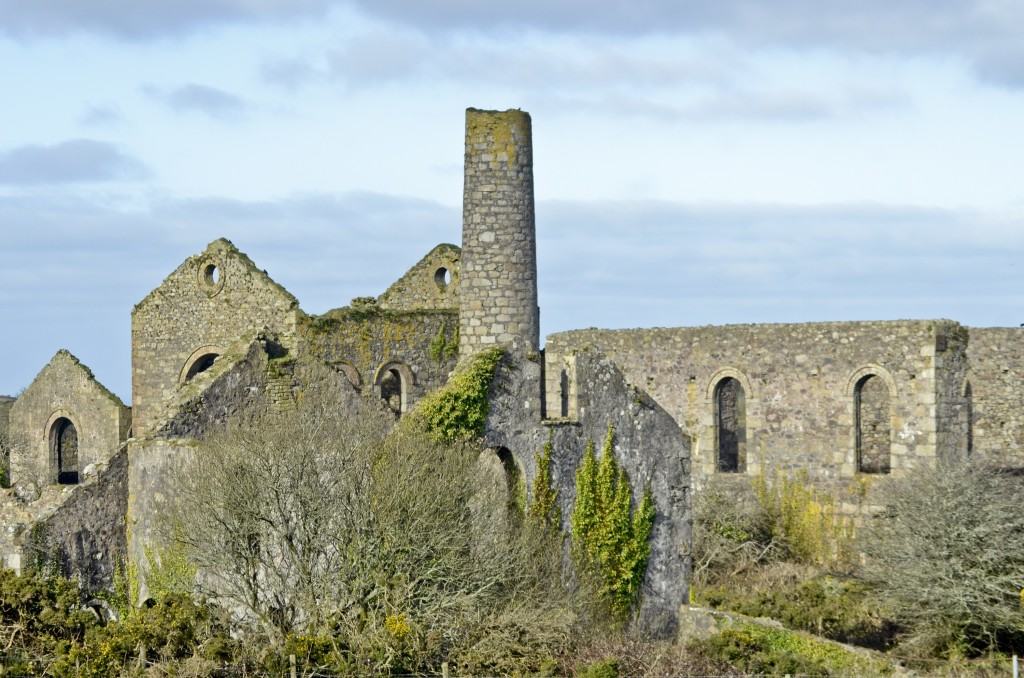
x=996 y=407
x=499 y=259
x=65 y=391
x=432 y=284
x=799 y=384
x=205 y=305
x=649 y=446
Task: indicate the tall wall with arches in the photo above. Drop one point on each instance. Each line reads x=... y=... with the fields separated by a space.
x=835 y=400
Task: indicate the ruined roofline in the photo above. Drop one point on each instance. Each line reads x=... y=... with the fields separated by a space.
x=230 y=248
x=830 y=324
x=68 y=355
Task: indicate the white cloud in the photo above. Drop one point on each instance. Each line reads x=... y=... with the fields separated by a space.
x=72 y=161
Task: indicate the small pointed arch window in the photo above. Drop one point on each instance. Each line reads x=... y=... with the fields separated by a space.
x=730 y=426
x=873 y=424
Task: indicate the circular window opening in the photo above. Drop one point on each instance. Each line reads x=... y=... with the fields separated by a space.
x=201 y=364
x=443 y=277
x=211 y=274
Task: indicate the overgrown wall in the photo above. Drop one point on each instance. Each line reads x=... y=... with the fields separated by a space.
x=649 y=446
x=365 y=342
x=996 y=377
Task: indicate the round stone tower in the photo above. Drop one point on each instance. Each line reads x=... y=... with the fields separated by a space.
x=498 y=276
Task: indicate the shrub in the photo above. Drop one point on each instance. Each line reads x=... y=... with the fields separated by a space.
x=840 y=609
x=803 y=521
x=609 y=538
x=773 y=651
x=948 y=557
x=321 y=526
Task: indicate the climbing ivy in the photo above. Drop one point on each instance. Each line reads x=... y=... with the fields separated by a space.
x=543 y=509
x=458 y=410
x=609 y=538
x=442 y=348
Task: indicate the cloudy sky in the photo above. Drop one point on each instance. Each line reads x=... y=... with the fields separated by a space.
x=701 y=162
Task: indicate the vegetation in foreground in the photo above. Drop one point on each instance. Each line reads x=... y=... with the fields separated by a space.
x=938 y=587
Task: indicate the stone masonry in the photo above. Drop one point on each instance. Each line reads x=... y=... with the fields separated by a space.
x=499 y=262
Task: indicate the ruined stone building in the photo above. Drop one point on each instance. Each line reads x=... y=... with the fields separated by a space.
x=837 y=401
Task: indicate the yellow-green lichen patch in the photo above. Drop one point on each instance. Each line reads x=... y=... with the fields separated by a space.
x=500 y=129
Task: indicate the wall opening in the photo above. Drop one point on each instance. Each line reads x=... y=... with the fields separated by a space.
x=512 y=474
x=730 y=426
x=871 y=403
x=64 y=451
x=391 y=390
x=969 y=418
x=443 y=277
x=201 y=364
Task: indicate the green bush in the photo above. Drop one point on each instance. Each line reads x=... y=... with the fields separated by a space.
x=836 y=608
x=609 y=538
x=763 y=650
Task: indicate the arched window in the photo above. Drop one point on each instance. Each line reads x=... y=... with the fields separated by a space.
x=64 y=451
x=730 y=426
x=871 y=404
x=203 y=363
x=393 y=381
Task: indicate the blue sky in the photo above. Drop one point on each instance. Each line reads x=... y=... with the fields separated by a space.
x=696 y=162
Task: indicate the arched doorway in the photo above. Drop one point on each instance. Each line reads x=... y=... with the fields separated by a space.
x=393 y=381
x=64 y=451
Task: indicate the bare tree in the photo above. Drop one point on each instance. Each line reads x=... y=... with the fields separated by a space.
x=320 y=521
x=948 y=556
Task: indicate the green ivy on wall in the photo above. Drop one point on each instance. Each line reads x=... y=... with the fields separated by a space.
x=543 y=509
x=458 y=410
x=609 y=538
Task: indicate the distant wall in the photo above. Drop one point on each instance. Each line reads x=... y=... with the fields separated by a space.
x=799 y=383
x=996 y=378
x=204 y=306
x=66 y=389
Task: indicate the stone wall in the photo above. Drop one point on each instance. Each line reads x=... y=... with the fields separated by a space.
x=996 y=378
x=65 y=390
x=203 y=307
x=84 y=535
x=499 y=261
x=433 y=283
x=800 y=384
x=371 y=345
x=649 y=446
